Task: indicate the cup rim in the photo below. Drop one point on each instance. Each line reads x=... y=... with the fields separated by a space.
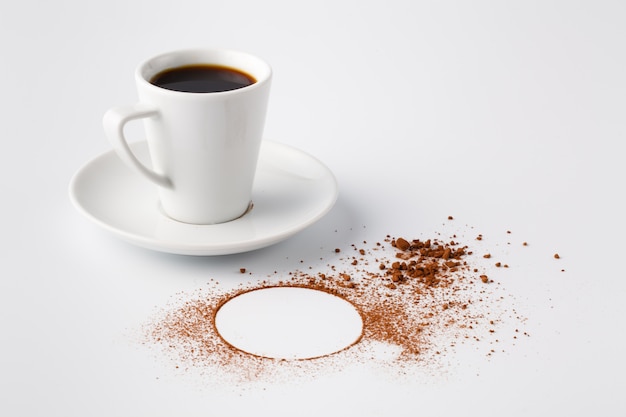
x=239 y=60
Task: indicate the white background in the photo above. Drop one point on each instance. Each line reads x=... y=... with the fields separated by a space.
x=508 y=115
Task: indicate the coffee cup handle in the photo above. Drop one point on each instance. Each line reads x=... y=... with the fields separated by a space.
x=114 y=121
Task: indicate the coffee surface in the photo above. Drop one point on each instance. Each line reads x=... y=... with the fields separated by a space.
x=202 y=78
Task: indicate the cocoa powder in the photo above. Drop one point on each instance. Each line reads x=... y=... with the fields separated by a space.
x=417 y=297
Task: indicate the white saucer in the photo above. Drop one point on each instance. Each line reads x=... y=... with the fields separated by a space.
x=292 y=190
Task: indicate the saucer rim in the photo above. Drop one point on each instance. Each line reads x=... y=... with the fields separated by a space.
x=208 y=249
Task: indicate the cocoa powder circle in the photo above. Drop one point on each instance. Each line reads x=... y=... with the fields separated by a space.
x=417 y=298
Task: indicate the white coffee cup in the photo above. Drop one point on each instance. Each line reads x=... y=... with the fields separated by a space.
x=203 y=146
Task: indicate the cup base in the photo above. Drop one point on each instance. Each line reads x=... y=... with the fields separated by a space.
x=163 y=212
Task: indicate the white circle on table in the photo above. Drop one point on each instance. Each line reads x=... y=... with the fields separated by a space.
x=289 y=323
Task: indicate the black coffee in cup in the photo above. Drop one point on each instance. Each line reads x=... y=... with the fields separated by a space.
x=202 y=78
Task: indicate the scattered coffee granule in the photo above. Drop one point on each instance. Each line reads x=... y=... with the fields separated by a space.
x=242 y=270
x=557 y=256
x=418 y=297
x=402 y=244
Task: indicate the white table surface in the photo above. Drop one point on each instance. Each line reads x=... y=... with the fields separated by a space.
x=506 y=115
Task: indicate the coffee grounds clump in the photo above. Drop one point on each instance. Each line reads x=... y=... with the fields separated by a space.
x=417 y=298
